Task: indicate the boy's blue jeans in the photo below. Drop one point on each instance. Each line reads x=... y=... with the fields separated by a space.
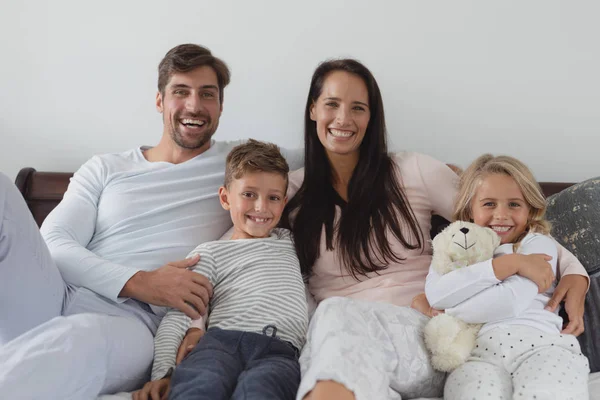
x=236 y=365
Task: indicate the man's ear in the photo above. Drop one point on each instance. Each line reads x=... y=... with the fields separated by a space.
x=159 y=102
x=224 y=197
x=312 y=111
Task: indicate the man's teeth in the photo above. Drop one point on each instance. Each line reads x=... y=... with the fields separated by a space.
x=336 y=133
x=188 y=121
x=500 y=228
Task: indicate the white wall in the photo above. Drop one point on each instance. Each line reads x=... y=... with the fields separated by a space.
x=459 y=78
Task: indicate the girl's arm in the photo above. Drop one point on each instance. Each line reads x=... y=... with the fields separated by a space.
x=510 y=297
x=451 y=289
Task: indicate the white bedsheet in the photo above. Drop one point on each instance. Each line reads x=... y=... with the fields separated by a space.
x=594 y=391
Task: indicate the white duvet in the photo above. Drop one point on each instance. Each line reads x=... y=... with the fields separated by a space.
x=594 y=391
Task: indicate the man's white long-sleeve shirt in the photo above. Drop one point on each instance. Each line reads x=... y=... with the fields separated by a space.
x=122 y=214
x=474 y=294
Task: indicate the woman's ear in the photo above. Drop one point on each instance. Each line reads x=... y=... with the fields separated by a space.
x=312 y=111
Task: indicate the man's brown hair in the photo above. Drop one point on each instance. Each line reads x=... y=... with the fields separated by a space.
x=186 y=57
x=255 y=156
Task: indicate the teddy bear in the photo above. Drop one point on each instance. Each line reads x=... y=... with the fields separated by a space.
x=459 y=245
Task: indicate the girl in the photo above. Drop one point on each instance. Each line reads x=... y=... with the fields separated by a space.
x=520 y=351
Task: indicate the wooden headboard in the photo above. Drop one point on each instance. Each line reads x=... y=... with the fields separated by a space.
x=44 y=190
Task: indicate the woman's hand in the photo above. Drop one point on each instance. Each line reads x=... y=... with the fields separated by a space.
x=190 y=340
x=420 y=303
x=571 y=288
x=536 y=268
x=154 y=390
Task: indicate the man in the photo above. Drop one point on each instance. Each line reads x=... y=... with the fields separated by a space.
x=79 y=315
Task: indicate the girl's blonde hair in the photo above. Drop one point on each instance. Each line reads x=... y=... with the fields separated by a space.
x=487 y=165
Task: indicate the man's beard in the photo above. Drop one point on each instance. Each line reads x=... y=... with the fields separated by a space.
x=195 y=143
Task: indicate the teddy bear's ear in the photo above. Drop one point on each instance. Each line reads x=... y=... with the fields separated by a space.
x=441 y=259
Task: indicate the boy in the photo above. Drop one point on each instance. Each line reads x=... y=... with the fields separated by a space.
x=258 y=313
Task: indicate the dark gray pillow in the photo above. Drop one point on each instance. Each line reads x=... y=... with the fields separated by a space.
x=575 y=217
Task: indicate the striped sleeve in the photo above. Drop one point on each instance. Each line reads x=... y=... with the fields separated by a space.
x=175 y=324
x=170 y=333
x=207 y=265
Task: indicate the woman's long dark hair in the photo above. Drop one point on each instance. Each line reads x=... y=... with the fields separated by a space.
x=376 y=201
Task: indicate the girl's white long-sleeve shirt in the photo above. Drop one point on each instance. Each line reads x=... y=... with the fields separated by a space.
x=474 y=294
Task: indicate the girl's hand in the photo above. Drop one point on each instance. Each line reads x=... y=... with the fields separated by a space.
x=155 y=390
x=537 y=268
x=420 y=303
x=571 y=288
x=190 y=340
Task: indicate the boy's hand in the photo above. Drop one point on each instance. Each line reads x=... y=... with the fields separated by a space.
x=155 y=390
x=190 y=340
x=420 y=303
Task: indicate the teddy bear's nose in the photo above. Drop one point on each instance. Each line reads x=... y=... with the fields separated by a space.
x=464 y=230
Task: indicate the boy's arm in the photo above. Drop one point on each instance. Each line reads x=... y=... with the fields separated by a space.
x=175 y=324
x=171 y=331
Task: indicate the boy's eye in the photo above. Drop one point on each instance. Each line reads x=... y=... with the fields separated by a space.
x=179 y=92
x=208 y=95
x=248 y=194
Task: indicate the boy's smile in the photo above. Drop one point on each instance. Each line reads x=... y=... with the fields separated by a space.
x=256 y=202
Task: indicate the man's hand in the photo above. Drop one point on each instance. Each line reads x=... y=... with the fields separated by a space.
x=571 y=288
x=190 y=340
x=172 y=285
x=420 y=303
x=155 y=390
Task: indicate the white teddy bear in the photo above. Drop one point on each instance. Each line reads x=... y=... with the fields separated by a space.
x=461 y=244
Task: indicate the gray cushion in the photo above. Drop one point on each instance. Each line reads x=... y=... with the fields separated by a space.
x=575 y=217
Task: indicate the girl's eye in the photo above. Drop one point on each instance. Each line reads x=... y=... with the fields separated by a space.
x=275 y=198
x=331 y=104
x=515 y=205
x=488 y=204
x=358 y=108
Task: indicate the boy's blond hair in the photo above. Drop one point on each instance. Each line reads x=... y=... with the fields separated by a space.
x=487 y=165
x=255 y=156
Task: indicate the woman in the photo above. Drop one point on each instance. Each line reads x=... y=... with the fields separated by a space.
x=361 y=221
